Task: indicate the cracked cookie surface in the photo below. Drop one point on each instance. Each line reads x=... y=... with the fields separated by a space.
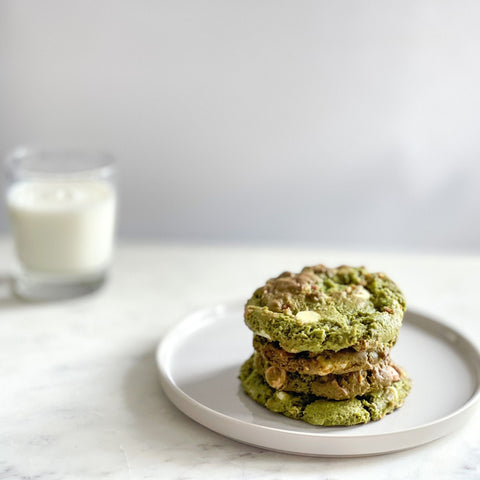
x=324 y=308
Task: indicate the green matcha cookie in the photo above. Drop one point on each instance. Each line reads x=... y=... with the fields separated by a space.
x=320 y=363
x=333 y=387
x=327 y=309
x=320 y=411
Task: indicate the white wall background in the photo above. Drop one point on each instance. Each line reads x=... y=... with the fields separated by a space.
x=327 y=122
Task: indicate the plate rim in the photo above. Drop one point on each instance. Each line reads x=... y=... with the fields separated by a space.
x=193 y=408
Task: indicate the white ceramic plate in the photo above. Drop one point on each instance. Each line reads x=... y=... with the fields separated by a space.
x=200 y=358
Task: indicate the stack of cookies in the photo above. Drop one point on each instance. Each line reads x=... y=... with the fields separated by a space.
x=322 y=341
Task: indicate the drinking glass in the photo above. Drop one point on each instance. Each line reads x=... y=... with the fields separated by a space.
x=62 y=207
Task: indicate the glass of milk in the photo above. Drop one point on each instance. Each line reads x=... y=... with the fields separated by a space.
x=62 y=207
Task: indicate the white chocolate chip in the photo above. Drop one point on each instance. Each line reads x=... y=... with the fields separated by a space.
x=264 y=334
x=307 y=316
x=361 y=292
x=275 y=377
x=392 y=394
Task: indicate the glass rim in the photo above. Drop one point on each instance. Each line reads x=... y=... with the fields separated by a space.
x=59 y=162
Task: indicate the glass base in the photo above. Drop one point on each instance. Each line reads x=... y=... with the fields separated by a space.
x=44 y=287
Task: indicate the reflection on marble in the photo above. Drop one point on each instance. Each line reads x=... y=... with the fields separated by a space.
x=81 y=397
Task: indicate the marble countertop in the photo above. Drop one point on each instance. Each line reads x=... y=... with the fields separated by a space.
x=81 y=397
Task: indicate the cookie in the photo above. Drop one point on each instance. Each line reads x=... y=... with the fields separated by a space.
x=323 y=363
x=319 y=411
x=324 y=308
x=333 y=387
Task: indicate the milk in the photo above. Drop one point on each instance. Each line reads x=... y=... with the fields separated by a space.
x=63 y=227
